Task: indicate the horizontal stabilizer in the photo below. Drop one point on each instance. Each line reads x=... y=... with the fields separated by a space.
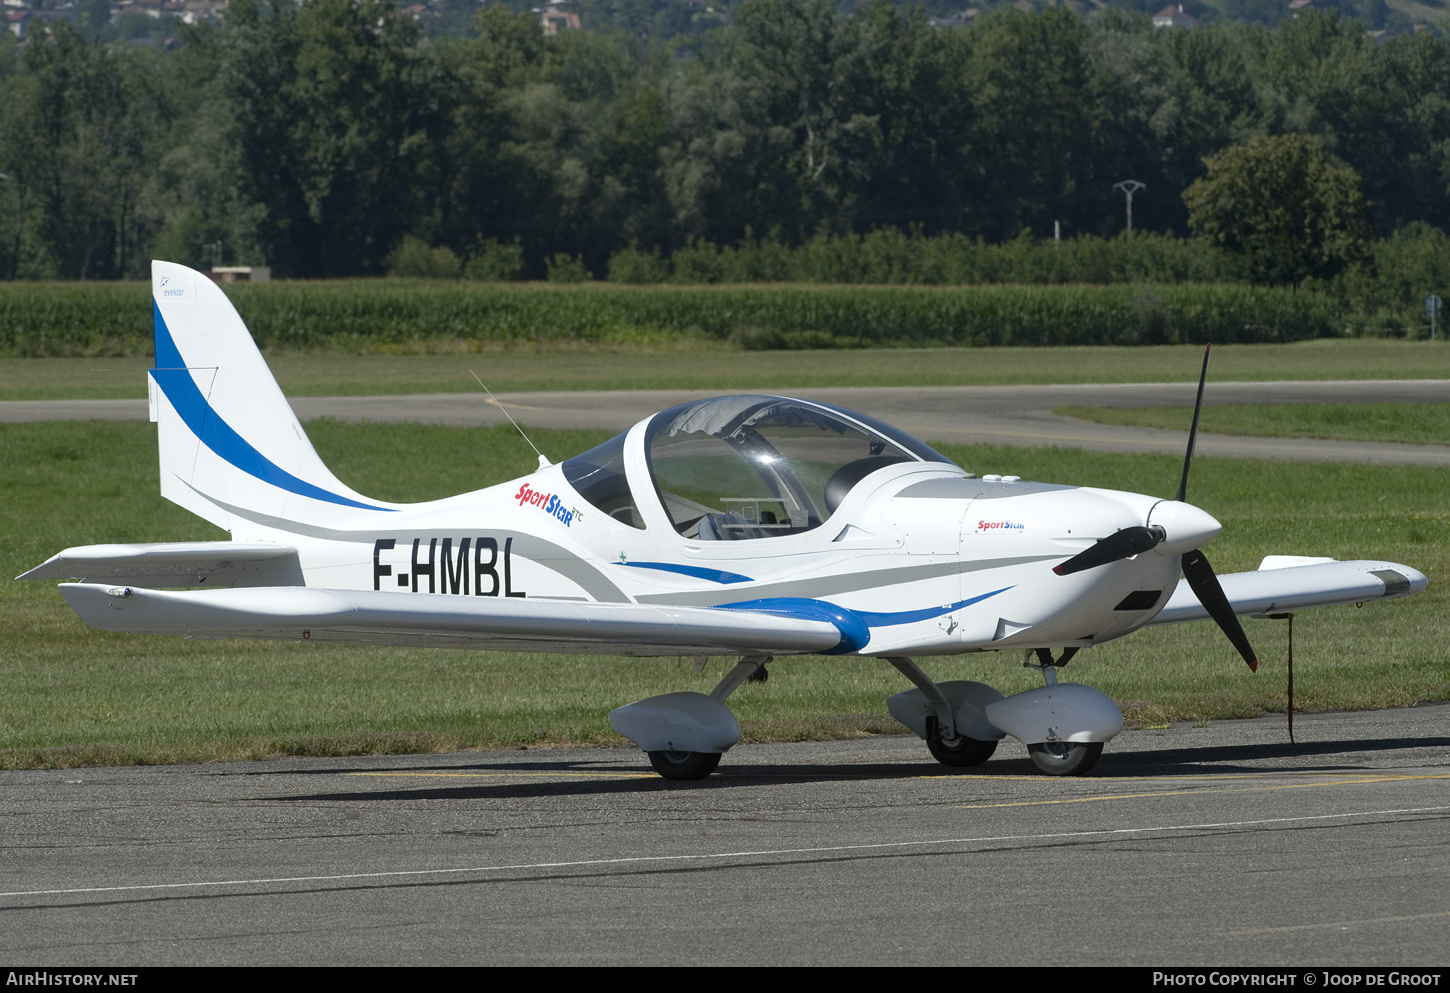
x=1276 y=589
x=188 y=563
x=508 y=624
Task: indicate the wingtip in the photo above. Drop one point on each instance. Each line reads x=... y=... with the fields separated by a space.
x=1057 y=569
x=1254 y=665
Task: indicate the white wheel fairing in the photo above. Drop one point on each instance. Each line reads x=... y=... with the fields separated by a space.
x=969 y=702
x=1065 y=712
x=677 y=722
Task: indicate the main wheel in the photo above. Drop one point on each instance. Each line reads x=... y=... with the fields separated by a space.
x=1066 y=758
x=684 y=765
x=962 y=752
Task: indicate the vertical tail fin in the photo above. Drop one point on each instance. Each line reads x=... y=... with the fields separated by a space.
x=232 y=451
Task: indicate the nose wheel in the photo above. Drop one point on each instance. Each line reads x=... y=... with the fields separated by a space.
x=1065 y=758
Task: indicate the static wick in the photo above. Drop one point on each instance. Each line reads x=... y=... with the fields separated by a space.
x=544 y=462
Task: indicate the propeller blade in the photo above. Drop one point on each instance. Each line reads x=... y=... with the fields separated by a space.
x=1118 y=545
x=1193 y=431
x=1205 y=586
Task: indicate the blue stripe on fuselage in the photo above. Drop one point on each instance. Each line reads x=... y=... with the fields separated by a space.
x=693 y=571
x=908 y=616
x=855 y=625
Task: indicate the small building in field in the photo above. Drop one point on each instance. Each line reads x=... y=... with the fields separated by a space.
x=241 y=274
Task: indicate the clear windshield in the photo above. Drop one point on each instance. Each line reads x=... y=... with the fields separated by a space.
x=743 y=467
x=598 y=476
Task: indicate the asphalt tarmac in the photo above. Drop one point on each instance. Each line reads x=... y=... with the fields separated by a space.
x=1219 y=845
x=1007 y=415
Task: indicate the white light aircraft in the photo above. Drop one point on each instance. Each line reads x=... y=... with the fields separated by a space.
x=755 y=526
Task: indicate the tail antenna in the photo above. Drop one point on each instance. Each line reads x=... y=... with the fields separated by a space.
x=544 y=462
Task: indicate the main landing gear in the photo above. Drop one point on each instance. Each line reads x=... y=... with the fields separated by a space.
x=685 y=734
x=961 y=752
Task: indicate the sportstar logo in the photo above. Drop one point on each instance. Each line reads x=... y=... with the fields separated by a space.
x=549 y=503
x=1001 y=526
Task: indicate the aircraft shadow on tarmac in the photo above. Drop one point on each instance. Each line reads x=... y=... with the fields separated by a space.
x=588 y=778
x=1313 y=756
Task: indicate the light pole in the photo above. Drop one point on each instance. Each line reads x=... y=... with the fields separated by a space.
x=1128 y=188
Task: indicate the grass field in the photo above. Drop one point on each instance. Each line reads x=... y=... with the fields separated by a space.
x=717 y=368
x=1412 y=423
x=70 y=695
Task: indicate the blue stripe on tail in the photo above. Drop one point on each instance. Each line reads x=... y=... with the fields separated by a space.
x=216 y=434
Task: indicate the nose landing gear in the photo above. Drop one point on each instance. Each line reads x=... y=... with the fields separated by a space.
x=1058 y=757
x=1065 y=758
x=684 y=766
x=1063 y=726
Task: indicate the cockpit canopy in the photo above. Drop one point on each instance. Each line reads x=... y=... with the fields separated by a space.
x=745 y=467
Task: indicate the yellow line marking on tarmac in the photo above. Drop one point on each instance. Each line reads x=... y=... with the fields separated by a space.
x=1212 y=777
x=1344 y=781
x=1190 y=777
x=519 y=775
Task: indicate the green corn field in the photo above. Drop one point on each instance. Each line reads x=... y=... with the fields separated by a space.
x=94 y=319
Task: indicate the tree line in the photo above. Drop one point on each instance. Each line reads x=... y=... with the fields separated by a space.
x=325 y=138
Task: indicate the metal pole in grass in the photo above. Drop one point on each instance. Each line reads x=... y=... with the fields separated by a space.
x=1128 y=187
x=1432 y=311
x=1288 y=615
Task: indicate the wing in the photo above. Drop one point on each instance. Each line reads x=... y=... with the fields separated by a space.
x=506 y=624
x=1285 y=583
x=187 y=563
